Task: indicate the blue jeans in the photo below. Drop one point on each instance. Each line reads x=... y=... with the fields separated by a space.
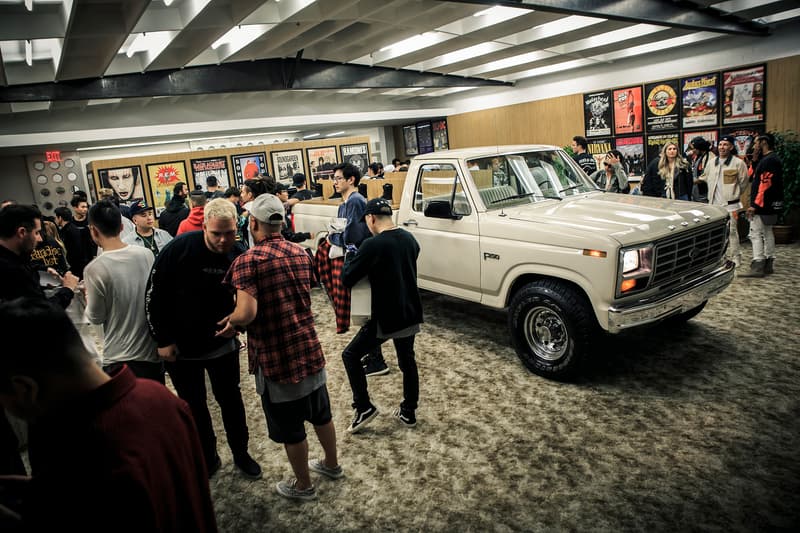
x=363 y=343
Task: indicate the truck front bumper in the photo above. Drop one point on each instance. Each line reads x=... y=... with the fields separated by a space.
x=681 y=299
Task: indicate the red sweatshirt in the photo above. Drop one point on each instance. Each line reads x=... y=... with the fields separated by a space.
x=193 y=222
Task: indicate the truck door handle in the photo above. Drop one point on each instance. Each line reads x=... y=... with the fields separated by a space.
x=411 y=222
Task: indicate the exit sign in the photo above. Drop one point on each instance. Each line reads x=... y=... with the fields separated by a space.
x=53 y=155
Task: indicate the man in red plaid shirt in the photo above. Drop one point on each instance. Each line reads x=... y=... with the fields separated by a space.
x=273 y=300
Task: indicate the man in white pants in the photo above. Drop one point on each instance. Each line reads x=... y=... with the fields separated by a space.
x=726 y=176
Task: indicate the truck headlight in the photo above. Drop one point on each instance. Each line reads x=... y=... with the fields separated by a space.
x=630 y=260
x=635 y=269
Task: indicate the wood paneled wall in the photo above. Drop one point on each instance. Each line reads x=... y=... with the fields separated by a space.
x=557 y=120
x=186 y=158
x=783 y=89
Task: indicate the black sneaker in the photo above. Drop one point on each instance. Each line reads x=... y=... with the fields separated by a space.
x=406 y=417
x=374 y=366
x=213 y=469
x=247 y=466
x=362 y=418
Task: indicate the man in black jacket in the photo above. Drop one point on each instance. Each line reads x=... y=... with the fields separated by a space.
x=389 y=260
x=20 y=227
x=766 y=202
x=186 y=307
x=77 y=240
x=176 y=210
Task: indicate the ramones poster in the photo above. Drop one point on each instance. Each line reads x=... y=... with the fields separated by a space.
x=662 y=106
x=597 y=113
x=656 y=142
x=700 y=100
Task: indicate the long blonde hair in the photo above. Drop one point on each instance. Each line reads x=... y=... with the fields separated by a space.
x=663 y=162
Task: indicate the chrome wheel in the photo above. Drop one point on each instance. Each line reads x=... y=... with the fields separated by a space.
x=546 y=333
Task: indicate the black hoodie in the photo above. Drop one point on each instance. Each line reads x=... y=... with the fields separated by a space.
x=171 y=217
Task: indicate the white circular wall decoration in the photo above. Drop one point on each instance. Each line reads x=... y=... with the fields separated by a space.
x=58 y=178
x=38 y=165
x=72 y=176
x=54 y=164
x=41 y=179
x=69 y=163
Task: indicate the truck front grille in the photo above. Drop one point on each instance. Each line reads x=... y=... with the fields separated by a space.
x=678 y=257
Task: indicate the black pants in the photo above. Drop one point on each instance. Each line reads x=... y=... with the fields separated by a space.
x=188 y=377
x=363 y=343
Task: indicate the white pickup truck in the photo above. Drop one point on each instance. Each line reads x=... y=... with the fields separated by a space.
x=523 y=228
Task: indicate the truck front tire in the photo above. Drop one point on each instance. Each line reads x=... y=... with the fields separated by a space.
x=551 y=327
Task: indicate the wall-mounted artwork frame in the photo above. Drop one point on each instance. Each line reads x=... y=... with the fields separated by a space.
x=247 y=166
x=410 y=140
x=321 y=160
x=424 y=137
x=745 y=91
x=162 y=178
x=441 y=140
x=597 y=114
x=356 y=154
x=628 y=116
x=211 y=166
x=700 y=101
x=662 y=106
x=287 y=163
x=126 y=182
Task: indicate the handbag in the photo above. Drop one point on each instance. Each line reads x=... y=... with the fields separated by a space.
x=360 y=302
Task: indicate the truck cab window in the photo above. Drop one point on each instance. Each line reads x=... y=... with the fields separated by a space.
x=440 y=182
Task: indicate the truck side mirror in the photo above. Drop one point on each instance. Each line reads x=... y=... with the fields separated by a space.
x=440 y=209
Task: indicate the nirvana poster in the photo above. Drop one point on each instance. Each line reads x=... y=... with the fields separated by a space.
x=211 y=166
x=440 y=139
x=632 y=149
x=656 y=142
x=628 y=110
x=744 y=95
x=700 y=100
x=662 y=106
x=744 y=137
x=597 y=113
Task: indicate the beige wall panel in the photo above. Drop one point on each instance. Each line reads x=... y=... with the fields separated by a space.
x=783 y=86
x=478 y=128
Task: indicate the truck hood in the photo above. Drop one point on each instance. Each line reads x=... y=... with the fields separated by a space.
x=629 y=219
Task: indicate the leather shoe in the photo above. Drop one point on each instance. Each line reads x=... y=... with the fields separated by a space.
x=247 y=466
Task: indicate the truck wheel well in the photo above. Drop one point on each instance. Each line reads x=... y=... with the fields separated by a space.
x=528 y=278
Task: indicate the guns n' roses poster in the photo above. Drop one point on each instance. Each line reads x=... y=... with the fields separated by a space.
x=744 y=95
x=632 y=149
x=162 y=178
x=628 y=110
x=656 y=142
x=597 y=113
x=662 y=106
x=744 y=137
x=700 y=100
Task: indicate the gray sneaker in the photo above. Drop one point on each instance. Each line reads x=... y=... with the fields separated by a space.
x=319 y=466
x=288 y=489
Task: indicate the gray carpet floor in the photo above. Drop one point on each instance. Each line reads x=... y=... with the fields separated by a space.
x=668 y=429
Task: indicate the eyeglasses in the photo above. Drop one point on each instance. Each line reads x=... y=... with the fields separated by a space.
x=339 y=178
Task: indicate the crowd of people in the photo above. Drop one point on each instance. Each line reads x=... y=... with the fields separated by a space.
x=174 y=299
x=750 y=186
x=172 y=302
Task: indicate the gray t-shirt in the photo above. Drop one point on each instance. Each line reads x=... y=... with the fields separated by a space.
x=115 y=288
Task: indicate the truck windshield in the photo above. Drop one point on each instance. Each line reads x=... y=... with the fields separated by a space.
x=516 y=179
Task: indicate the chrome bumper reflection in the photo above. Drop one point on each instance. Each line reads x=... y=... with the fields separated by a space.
x=682 y=299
